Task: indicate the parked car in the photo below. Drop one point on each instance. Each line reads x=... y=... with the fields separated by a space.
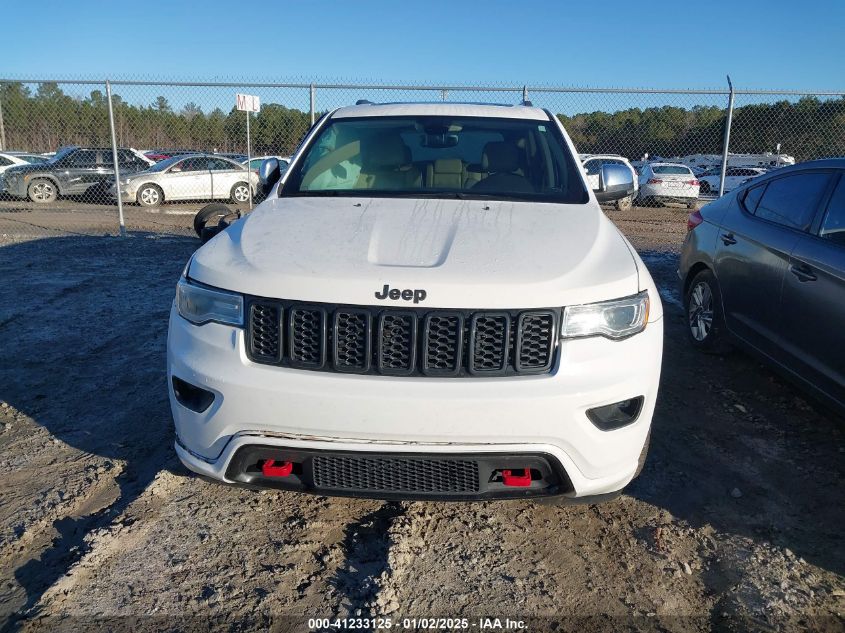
x=71 y=171
x=8 y=160
x=390 y=321
x=668 y=182
x=193 y=177
x=764 y=267
x=592 y=166
x=734 y=177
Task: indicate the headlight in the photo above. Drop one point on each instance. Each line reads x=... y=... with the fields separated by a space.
x=199 y=304
x=614 y=319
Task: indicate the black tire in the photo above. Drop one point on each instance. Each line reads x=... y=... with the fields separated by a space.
x=692 y=206
x=704 y=315
x=624 y=204
x=42 y=191
x=209 y=213
x=239 y=193
x=149 y=195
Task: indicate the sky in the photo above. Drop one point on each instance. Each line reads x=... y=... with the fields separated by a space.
x=780 y=44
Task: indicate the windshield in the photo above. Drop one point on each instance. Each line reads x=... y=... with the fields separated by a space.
x=439 y=156
x=672 y=169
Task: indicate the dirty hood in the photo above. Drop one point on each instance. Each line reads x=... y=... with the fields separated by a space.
x=460 y=253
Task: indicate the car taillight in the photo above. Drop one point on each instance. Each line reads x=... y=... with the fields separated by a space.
x=654 y=181
x=695 y=218
x=693 y=182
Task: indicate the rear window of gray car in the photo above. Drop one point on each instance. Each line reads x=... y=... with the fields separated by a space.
x=792 y=200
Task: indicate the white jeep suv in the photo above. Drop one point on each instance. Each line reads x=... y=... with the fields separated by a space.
x=429 y=304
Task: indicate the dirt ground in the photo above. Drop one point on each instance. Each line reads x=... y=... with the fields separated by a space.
x=735 y=524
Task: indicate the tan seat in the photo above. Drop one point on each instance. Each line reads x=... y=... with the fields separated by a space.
x=446 y=173
x=500 y=160
x=386 y=164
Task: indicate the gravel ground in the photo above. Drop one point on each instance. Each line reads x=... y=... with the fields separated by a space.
x=734 y=525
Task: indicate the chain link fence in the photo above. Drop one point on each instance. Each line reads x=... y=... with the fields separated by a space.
x=193 y=140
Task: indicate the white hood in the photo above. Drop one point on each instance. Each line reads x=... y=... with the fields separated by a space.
x=462 y=253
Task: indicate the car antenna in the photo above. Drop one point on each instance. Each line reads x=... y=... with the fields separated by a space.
x=364 y=102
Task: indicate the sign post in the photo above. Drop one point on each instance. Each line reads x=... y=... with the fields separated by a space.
x=248 y=104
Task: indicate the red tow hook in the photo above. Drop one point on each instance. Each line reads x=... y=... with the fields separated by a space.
x=518 y=478
x=270 y=469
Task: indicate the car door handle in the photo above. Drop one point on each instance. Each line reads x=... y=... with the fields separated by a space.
x=803 y=272
x=728 y=239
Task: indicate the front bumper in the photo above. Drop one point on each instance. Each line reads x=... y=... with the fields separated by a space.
x=515 y=416
x=15 y=186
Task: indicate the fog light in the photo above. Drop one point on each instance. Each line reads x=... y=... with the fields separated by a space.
x=616 y=415
x=190 y=396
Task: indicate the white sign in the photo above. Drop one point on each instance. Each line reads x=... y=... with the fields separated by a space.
x=248 y=103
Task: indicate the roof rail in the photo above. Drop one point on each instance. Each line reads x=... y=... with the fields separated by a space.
x=364 y=102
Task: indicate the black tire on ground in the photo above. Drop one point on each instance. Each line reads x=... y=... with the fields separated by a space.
x=209 y=214
x=704 y=314
x=239 y=193
x=624 y=204
x=692 y=205
x=150 y=195
x=42 y=191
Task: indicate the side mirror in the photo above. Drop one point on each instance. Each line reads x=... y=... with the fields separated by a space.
x=269 y=174
x=615 y=182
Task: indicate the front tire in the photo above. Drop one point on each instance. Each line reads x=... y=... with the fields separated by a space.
x=42 y=191
x=624 y=204
x=150 y=196
x=704 y=314
x=213 y=211
x=240 y=193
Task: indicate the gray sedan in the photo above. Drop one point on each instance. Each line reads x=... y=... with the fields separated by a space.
x=193 y=177
x=764 y=268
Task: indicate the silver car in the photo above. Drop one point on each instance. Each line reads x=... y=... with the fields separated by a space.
x=192 y=177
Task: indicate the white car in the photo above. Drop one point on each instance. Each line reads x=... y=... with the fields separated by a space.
x=7 y=160
x=592 y=166
x=193 y=177
x=429 y=304
x=734 y=177
x=668 y=182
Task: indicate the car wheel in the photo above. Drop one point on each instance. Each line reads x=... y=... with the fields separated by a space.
x=704 y=187
x=705 y=317
x=624 y=204
x=240 y=192
x=692 y=205
x=210 y=213
x=150 y=196
x=42 y=191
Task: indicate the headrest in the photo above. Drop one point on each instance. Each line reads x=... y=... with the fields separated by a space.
x=448 y=166
x=500 y=157
x=384 y=152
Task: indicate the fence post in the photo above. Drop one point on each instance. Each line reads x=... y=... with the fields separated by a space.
x=727 y=138
x=524 y=95
x=115 y=161
x=313 y=93
x=2 y=127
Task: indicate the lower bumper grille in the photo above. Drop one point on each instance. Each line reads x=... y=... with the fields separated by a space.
x=395 y=475
x=392 y=342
